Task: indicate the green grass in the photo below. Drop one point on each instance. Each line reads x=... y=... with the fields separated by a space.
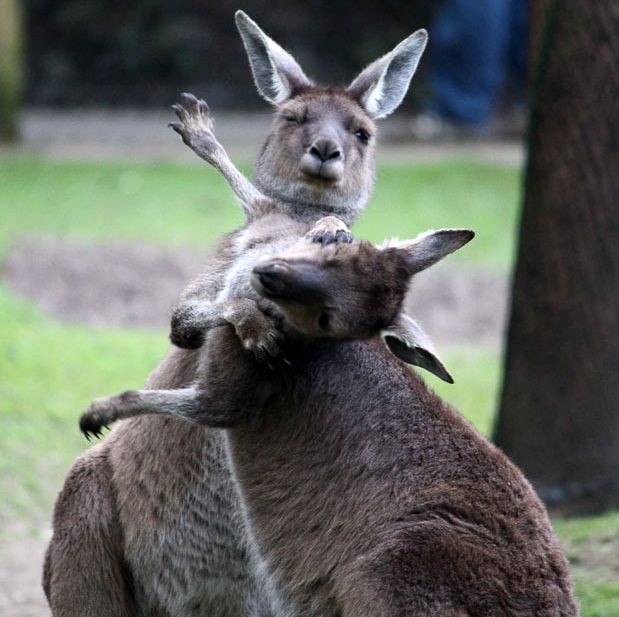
x=592 y=546
x=50 y=371
x=191 y=205
x=483 y=197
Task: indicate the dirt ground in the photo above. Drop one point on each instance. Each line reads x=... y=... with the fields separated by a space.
x=136 y=285
x=21 y=566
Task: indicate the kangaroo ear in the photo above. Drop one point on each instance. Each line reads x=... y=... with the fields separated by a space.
x=408 y=342
x=381 y=86
x=276 y=73
x=429 y=247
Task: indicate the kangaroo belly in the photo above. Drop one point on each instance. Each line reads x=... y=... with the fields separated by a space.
x=184 y=542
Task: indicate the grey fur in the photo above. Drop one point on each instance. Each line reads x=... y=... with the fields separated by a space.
x=361 y=491
x=383 y=84
x=294 y=264
x=148 y=522
x=276 y=73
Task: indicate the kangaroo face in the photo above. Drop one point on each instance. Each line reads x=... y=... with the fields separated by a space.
x=320 y=151
x=340 y=291
x=349 y=290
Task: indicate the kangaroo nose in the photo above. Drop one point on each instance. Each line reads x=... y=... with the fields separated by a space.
x=271 y=277
x=325 y=150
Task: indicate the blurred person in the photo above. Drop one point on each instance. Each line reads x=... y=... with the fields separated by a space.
x=478 y=46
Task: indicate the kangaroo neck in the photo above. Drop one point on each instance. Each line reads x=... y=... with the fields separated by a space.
x=309 y=204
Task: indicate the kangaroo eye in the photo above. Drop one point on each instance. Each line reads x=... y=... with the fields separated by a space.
x=296 y=115
x=324 y=321
x=362 y=136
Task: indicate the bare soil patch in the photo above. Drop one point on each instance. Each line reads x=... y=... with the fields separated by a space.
x=21 y=571
x=100 y=284
x=135 y=285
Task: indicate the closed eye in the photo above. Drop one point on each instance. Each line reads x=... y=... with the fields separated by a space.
x=295 y=116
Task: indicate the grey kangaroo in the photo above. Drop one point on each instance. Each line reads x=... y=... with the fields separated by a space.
x=148 y=522
x=362 y=492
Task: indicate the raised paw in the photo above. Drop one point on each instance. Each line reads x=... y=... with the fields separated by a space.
x=329 y=230
x=196 y=123
x=99 y=415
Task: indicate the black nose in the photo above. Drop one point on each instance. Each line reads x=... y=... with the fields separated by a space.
x=272 y=277
x=325 y=150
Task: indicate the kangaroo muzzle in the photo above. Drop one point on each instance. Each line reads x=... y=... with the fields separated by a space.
x=277 y=280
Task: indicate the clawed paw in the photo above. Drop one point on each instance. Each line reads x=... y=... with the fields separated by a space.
x=330 y=230
x=263 y=345
x=196 y=123
x=97 y=417
x=257 y=328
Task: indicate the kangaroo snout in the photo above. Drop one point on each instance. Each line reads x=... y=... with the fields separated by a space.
x=277 y=279
x=271 y=278
x=325 y=150
x=324 y=159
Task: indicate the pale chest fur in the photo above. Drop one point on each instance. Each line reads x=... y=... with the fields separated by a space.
x=184 y=542
x=265 y=237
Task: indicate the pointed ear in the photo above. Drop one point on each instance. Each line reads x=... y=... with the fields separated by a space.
x=381 y=87
x=408 y=342
x=429 y=247
x=276 y=73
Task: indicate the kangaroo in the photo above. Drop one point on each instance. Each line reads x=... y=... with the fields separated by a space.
x=362 y=492
x=148 y=522
x=366 y=281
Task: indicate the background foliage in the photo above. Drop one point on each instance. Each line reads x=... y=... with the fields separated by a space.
x=136 y=53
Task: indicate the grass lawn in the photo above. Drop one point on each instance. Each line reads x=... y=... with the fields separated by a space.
x=191 y=205
x=50 y=371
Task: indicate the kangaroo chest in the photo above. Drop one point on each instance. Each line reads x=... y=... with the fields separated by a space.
x=184 y=541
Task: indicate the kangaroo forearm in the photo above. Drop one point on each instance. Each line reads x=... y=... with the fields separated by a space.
x=256 y=331
x=196 y=129
x=243 y=189
x=192 y=319
x=191 y=404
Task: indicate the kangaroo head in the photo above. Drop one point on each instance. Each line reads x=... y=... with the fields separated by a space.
x=320 y=149
x=356 y=290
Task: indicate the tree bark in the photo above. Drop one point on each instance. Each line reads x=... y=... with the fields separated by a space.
x=10 y=69
x=559 y=414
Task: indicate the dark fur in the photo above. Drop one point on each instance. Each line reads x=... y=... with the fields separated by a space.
x=367 y=495
x=363 y=493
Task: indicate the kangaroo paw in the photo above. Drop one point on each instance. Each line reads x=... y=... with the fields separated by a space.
x=195 y=125
x=329 y=230
x=258 y=332
x=99 y=415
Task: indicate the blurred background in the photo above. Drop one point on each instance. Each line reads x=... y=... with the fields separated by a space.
x=105 y=216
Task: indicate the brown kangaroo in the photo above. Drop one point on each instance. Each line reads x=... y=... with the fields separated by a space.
x=149 y=522
x=362 y=492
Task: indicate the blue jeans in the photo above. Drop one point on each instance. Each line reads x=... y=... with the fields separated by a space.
x=475 y=46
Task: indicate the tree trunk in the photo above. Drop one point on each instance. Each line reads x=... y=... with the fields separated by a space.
x=10 y=69
x=559 y=415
